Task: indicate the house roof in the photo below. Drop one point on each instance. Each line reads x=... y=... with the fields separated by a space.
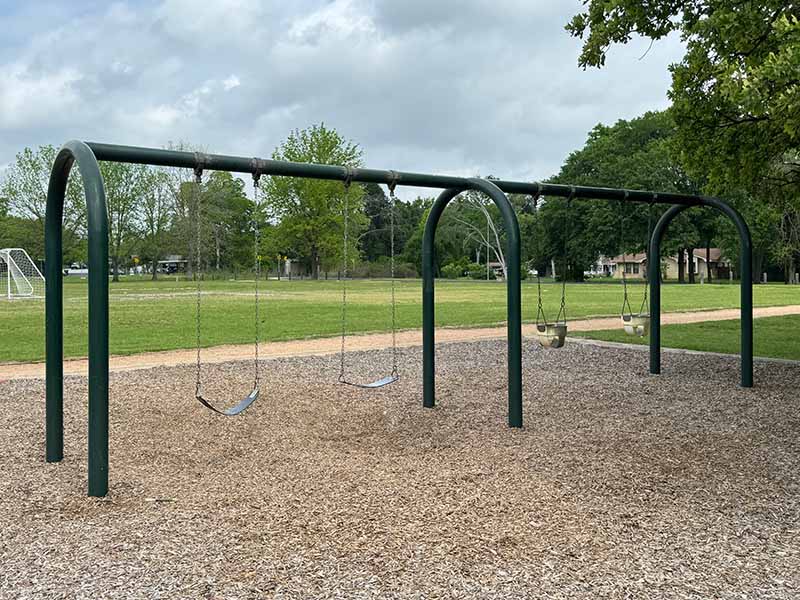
x=715 y=254
x=638 y=257
x=641 y=257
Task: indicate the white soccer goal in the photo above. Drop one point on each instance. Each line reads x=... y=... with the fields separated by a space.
x=19 y=277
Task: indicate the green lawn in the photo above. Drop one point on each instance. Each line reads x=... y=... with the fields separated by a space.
x=776 y=337
x=148 y=316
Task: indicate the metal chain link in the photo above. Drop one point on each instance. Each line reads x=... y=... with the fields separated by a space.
x=257 y=260
x=625 y=296
x=561 y=317
x=346 y=208
x=392 y=203
x=198 y=180
x=647 y=253
x=540 y=307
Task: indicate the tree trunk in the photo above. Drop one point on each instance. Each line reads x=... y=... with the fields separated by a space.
x=115 y=263
x=154 y=276
x=690 y=252
x=758 y=264
x=681 y=265
x=216 y=247
x=314 y=264
x=708 y=262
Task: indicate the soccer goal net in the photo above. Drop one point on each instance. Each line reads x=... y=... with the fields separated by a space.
x=19 y=276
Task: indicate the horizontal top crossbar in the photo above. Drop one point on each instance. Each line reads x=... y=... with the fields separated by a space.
x=238 y=164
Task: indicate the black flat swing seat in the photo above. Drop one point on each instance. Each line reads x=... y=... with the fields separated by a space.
x=372 y=385
x=233 y=410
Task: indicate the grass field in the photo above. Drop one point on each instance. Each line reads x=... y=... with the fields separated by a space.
x=147 y=316
x=775 y=337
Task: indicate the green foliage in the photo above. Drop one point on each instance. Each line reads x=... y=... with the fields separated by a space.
x=377 y=241
x=453 y=270
x=736 y=96
x=24 y=190
x=449 y=243
x=157 y=207
x=636 y=154
x=308 y=213
x=476 y=271
x=125 y=185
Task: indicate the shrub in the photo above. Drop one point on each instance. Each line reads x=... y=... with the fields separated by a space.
x=477 y=271
x=452 y=270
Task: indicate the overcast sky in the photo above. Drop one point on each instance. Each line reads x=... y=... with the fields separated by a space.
x=459 y=87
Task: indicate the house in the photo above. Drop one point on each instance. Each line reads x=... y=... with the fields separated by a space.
x=719 y=267
x=604 y=267
x=635 y=266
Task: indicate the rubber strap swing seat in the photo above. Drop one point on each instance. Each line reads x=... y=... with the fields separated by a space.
x=248 y=400
x=394 y=374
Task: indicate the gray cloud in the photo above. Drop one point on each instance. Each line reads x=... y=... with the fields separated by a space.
x=452 y=87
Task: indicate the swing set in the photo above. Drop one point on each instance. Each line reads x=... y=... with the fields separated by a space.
x=87 y=155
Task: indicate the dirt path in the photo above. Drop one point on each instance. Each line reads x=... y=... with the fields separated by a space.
x=374 y=341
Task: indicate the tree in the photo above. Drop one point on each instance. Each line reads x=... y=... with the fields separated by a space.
x=182 y=229
x=308 y=213
x=24 y=189
x=376 y=241
x=636 y=154
x=126 y=185
x=157 y=208
x=482 y=226
x=450 y=235
x=734 y=93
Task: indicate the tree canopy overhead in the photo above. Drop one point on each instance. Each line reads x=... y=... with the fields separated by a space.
x=735 y=93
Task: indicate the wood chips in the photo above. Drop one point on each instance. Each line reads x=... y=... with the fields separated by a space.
x=621 y=485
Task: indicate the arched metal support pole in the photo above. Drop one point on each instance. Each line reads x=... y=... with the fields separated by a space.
x=80 y=153
x=513 y=291
x=746 y=285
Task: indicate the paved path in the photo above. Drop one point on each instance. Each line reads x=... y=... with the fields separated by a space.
x=357 y=342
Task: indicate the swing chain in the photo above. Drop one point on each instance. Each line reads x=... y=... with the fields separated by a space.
x=348 y=179
x=257 y=260
x=643 y=307
x=392 y=204
x=198 y=180
x=561 y=317
x=540 y=306
x=625 y=298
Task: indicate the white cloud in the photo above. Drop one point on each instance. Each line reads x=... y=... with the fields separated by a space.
x=28 y=98
x=231 y=82
x=454 y=87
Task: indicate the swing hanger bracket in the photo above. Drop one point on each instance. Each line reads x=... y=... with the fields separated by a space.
x=255 y=165
x=200 y=163
x=394 y=178
x=348 y=177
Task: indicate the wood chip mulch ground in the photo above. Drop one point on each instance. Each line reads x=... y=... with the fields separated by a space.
x=621 y=485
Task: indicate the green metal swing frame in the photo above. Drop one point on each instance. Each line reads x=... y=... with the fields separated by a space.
x=87 y=154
